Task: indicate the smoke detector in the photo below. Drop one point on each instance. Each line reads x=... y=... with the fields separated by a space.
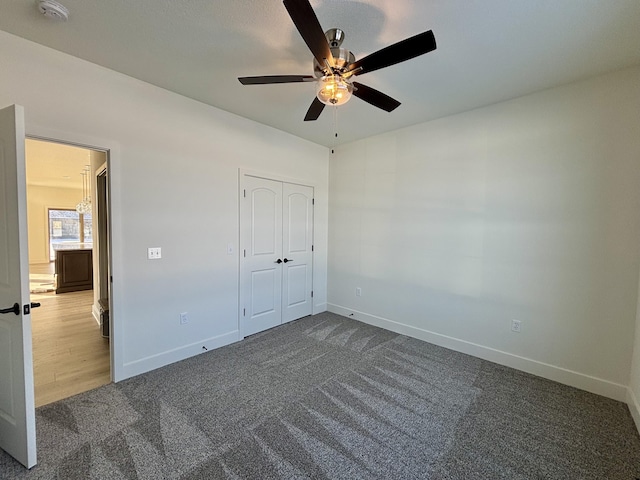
x=54 y=10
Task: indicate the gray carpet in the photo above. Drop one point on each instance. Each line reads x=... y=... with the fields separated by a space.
x=328 y=397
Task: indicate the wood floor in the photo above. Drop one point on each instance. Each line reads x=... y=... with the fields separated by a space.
x=70 y=355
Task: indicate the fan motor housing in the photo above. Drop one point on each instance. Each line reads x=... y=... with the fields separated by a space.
x=343 y=57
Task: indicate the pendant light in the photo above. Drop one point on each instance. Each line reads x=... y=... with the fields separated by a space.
x=85 y=205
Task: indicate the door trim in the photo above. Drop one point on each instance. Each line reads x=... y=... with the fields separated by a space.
x=267 y=176
x=111 y=151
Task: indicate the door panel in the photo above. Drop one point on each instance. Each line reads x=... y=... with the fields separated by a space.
x=261 y=229
x=297 y=286
x=297 y=245
x=17 y=406
x=6 y=381
x=298 y=222
x=265 y=206
x=262 y=282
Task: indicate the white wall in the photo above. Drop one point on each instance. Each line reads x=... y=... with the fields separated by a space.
x=39 y=200
x=174 y=176
x=526 y=210
x=633 y=398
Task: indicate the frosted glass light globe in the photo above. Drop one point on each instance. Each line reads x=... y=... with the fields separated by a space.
x=334 y=90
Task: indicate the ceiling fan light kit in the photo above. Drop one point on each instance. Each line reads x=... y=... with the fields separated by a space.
x=333 y=66
x=334 y=90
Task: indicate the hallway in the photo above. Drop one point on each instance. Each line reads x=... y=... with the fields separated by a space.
x=70 y=355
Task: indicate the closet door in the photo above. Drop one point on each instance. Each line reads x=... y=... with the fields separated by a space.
x=297 y=244
x=276 y=264
x=261 y=273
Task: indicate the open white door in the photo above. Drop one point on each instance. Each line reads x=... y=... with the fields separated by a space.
x=17 y=407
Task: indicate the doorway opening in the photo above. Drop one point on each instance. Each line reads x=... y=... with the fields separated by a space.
x=69 y=267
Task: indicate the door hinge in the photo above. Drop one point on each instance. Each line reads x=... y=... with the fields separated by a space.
x=244 y=312
x=312 y=248
x=244 y=193
x=313 y=201
x=244 y=252
x=311 y=293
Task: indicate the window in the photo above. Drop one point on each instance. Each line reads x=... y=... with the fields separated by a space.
x=68 y=230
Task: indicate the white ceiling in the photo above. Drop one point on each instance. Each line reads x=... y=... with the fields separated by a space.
x=488 y=51
x=55 y=165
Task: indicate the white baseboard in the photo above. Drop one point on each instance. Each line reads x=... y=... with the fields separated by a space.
x=544 y=370
x=319 y=308
x=143 y=365
x=634 y=407
x=96 y=313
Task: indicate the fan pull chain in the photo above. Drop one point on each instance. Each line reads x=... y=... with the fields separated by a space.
x=335 y=125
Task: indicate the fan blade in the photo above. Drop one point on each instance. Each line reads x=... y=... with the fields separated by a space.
x=306 y=21
x=314 y=110
x=375 y=97
x=275 y=79
x=398 y=52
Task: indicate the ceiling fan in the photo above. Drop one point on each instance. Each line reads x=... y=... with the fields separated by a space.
x=334 y=66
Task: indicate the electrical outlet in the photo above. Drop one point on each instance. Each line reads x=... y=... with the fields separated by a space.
x=358 y=292
x=516 y=326
x=154 y=253
x=184 y=318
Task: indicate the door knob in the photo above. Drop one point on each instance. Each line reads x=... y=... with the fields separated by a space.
x=288 y=260
x=15 y=309
x=280 y=261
